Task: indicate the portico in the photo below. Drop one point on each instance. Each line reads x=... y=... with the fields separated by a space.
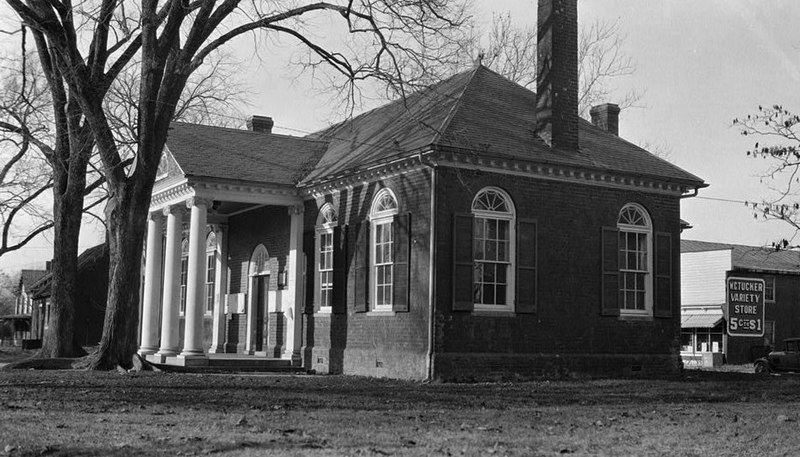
x=190 y=308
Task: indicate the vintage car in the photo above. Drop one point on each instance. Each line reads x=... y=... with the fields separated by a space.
x=786 y=360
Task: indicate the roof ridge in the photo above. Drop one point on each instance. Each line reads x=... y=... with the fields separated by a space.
x=238 y=130
x=458 y=103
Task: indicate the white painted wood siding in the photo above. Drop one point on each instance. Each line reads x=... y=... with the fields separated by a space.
x=703 y=277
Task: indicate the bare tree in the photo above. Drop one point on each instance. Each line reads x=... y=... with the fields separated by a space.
x=24 y=177
x=26 y=125
x=777 y=133
x=511 y=51
x=395 y=42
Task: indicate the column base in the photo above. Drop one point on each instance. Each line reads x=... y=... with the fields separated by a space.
x=218 y=349
x=169 y=352
x=145 y=350
x=294 y=356
x=188 y=360
x=156 y=358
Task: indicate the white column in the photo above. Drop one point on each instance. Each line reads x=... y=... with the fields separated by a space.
x=170 y=309
x=195 y=281
x=221 y=288
x=293 y=309
x=152 y=285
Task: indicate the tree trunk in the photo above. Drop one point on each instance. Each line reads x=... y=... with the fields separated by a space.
x=68 y=186
x=126 y=217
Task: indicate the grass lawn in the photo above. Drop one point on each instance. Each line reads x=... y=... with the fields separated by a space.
x=108 y=413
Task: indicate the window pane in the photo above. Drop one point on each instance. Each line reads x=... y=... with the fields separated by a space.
x=491 y=250
x=488 y=294
x=491 y=232
x=502 y=250
x=501 y=274
x=501 y=295
x=479 y=227
x=488 y=273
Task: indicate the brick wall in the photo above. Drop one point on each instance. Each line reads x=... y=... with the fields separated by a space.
x=568 y=320
x=365 y=343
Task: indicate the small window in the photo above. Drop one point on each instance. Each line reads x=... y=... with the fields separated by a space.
x=384 y=208
x=769 y=289
x=635 y=260
x=493 y=250
x=326 y=221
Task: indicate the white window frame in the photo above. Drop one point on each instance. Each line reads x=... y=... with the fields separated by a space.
x=326 y=221
x=184 y=276
x=381 y=215
x=510 y=216
x=647 y=231
x=211 y=268
x=769 y=283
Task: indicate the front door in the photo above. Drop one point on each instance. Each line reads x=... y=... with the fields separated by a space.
x=260 y=307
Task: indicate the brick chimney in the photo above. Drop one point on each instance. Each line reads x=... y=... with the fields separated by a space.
x=262 y=124
x=557 y=78
x=606 y=116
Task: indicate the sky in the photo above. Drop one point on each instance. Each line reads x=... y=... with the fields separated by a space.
x=700 y=64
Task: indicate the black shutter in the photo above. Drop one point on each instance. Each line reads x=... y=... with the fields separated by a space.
x=339 y=298
x=309 y=247
x=527 y=280
x=663 y=275
x=463 y=263
x=361 y=261
x=401 y=255
x=610 y=275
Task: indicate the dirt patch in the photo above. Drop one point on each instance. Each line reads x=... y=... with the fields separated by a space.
x=83 y=413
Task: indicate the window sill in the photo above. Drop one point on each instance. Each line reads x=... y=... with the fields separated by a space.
x=494 y=313
x=636 y=317
x=379 y=313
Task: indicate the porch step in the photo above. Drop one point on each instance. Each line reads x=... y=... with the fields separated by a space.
x=228 y=363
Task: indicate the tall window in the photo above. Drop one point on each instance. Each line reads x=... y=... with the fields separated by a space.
x=184 y=272
x=384 y=208
x=493 y=248
x=211 y=271
x=635 y=260
x=325 y=224
x=769 y=288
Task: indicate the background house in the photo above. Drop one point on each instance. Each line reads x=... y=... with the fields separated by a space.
x=705 y=266
x=90 y=309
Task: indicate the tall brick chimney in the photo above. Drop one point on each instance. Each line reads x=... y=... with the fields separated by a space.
x=557 y=74
x=262 y=124
x=606 y=116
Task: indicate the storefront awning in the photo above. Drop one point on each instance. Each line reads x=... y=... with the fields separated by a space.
x=701 y=320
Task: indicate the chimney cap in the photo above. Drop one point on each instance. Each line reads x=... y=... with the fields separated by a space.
x=606 y=117
x=256 y=123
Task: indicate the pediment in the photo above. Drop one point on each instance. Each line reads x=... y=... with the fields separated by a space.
x=168 y=167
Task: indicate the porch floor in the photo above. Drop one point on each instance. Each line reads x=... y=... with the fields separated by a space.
x=226 y=363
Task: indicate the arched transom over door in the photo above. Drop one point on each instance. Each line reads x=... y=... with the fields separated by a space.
x=259 y=304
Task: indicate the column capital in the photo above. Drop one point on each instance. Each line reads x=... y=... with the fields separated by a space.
x=198 y=201
x=155 y=216
x=173 y=209
x=295 y=210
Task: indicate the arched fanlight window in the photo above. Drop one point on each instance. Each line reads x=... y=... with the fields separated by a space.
x=326 y=221
x=259 y=261
x=493 y=249
x=383 y=210
x=635 y=259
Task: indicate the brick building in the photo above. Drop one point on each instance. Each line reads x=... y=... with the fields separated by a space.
x=474 y=230
x=705 y=267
